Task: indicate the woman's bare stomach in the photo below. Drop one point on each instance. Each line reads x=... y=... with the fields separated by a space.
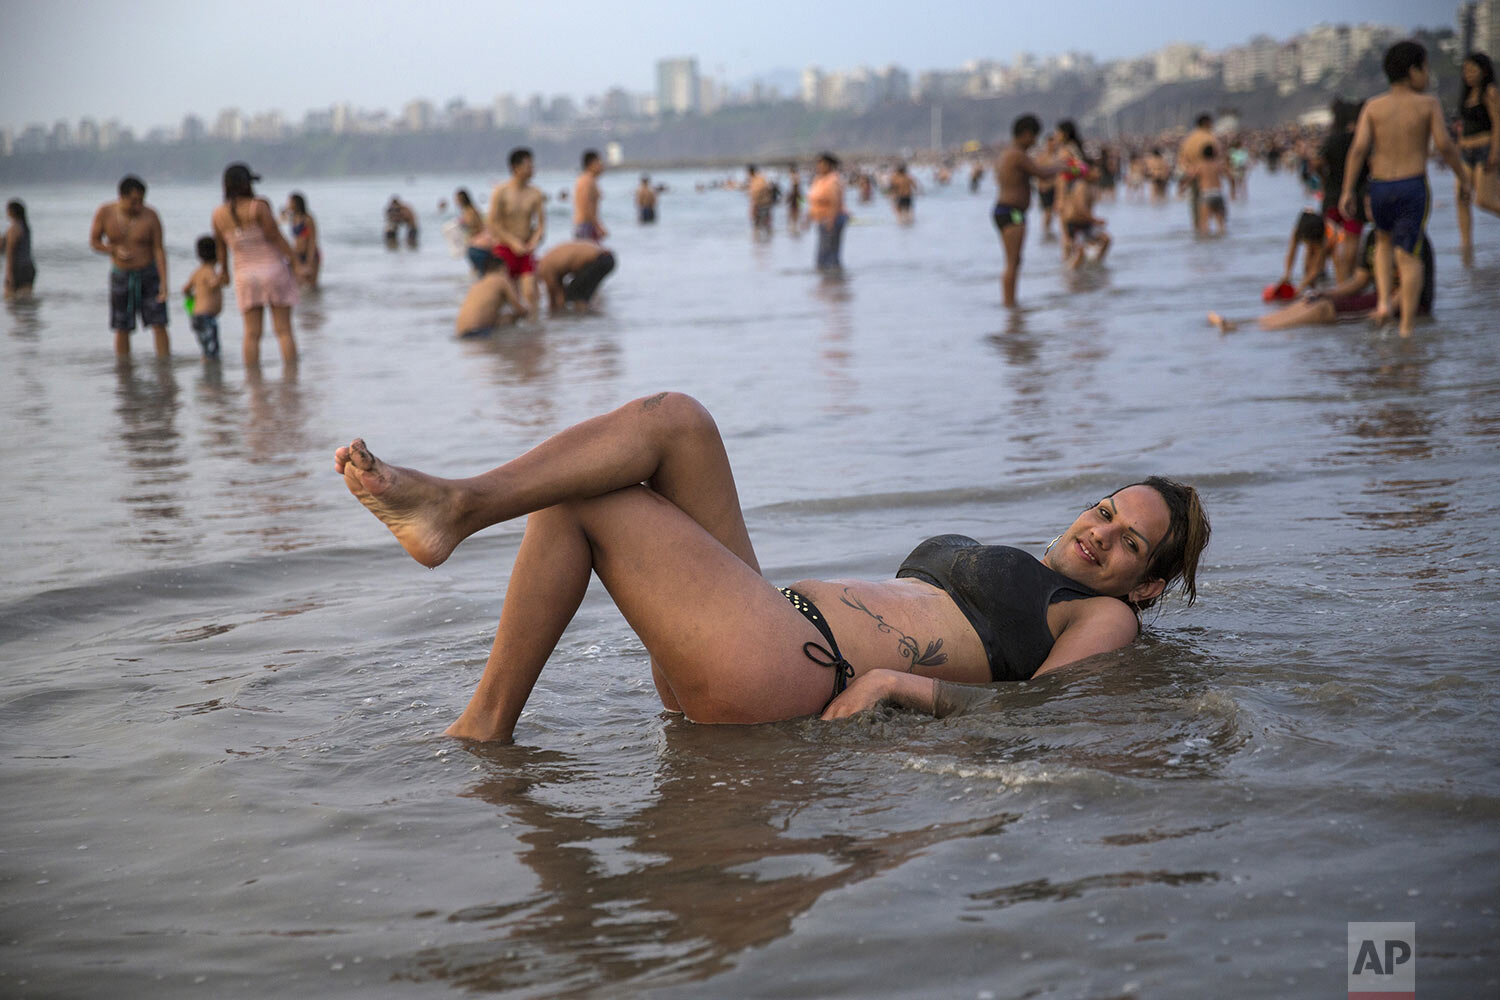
x=904 y=624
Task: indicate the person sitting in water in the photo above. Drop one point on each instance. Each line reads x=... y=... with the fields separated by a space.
x=483 y=308
x=1310 y=235
x=1354 y=297
x=644 y=497
x=572 y=272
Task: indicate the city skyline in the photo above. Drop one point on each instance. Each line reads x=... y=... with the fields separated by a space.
x=292 y=71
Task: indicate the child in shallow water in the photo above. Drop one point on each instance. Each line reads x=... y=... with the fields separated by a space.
x=205 y=297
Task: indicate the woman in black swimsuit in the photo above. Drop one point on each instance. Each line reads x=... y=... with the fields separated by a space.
x=644 y=497
x=1478 y=144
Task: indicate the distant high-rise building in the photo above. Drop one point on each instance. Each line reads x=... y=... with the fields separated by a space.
x=192 y=129
x=418 y=116
x=506 y=112
x=1486 y=37
x=677 y=87
x=812 y=86
x=88 y=133
x=229 y=125
x=61 y=137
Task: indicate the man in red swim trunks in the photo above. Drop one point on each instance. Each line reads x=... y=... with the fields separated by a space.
x=517 y=218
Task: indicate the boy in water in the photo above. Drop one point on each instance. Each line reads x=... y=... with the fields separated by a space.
x=1393 y=131
x=205 y=296
x=1081 y=227
x=1013 y=173
x=1209 y=176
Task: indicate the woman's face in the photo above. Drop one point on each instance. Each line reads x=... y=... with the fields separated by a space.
x=1110 y=545
x=1472 y=73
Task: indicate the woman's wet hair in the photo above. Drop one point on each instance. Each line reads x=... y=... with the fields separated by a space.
x=463 y=197
x=299 y=203
x=237 y=182
x=1486 y=77
x=16 y=209
x=1176 y=558
x=1345 y=113
x=1069 y=132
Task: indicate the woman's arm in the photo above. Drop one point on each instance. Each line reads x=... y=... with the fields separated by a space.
x=1492 y=104
x=273 y=232
x=1096 y=628
x=912 y=691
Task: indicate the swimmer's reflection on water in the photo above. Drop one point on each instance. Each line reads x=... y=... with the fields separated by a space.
x=644 y=497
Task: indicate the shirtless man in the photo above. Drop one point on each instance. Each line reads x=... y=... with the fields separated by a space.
x=517 y=218
x=130 y=233
x=1189 y=154
x=1393 y=131
x=586 y=224
x=572 y=273
x=761 y=201
x=1209 y=176
x=483 y=306
x=1014 y=170
x=645 y=201
x=902 y=188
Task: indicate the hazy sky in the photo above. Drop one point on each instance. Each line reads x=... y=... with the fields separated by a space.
x=149 y=62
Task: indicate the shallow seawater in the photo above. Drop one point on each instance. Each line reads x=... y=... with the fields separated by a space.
x=223 y=686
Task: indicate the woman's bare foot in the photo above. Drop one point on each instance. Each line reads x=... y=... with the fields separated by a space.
x=1223 y=324
x=421 y=510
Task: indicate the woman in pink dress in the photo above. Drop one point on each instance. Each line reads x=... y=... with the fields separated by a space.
x=262 y=263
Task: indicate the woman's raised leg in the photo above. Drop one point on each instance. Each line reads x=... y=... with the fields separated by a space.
x=724 y=639
x=667 y=441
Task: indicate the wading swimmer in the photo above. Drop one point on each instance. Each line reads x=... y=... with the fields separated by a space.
x=517 y=218
x=130 y=232
x=902 y=188
x=1393 y=131
x=1014 y=171
x=572 y=273
x=20 y=269
x=586 y=224
x=246 y=227
x=204 y=293
x=825 y=210
x=1478 y=144
x=307 y=255
x=761 y=201
x=645 y=201
x=644 y=497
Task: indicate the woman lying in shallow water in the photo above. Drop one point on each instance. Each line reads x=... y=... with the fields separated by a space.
x=644 y=497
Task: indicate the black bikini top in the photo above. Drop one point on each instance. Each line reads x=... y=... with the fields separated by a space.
x=1476 y=118
x=1005 y=594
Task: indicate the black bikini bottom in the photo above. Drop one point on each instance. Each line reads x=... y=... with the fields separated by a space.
x=829 y=656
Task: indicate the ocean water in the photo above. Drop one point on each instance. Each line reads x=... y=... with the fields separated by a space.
x=223 y=686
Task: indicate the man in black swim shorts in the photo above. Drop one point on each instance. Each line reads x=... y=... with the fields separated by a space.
x=130 y=232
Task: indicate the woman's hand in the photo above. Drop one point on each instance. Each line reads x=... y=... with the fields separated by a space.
x=867 y=691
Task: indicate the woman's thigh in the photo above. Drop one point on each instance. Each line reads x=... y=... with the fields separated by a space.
x=725 y=638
